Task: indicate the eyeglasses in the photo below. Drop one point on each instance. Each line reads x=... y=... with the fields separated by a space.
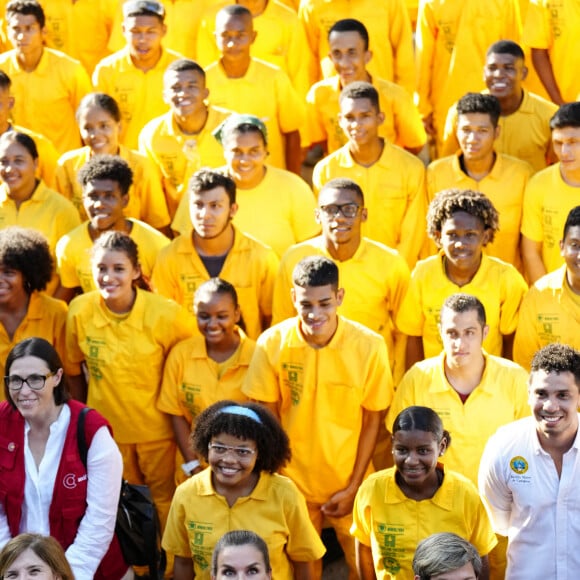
x=35 y=382
x=240 y=452
x=348 y=210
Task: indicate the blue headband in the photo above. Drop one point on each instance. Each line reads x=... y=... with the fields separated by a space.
x=242 y=411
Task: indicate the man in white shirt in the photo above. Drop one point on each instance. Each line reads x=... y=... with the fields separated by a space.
x=529 y=472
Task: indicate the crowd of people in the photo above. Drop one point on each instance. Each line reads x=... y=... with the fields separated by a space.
x=312 y=264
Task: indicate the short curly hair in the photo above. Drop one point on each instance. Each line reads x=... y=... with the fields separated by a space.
x=450 y=201
x=26 y=250
x=107 y=167
x=558 y=358
x=271 y=440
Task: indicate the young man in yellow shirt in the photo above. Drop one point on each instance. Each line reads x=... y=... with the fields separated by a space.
x=550 y=195
x=328 y=381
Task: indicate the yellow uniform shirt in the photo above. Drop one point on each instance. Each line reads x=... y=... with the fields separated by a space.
x=498 y=285
x=192 y=382
x=504 y=185
x=554 y=25
x=547 y=202
x=250 y=266
x=387 y=22
x=402 y=125
x=275 y=510
x=46 y=99
x=146 y=199
x=265 y=91
x=392 y=525
x=375 y=280
x=313 y=389
x=73 y=253
x=500 y=398
x=290 y=211
x=394 y=189
x=125 y=357
x=178 y=156
x=524 y=134
x=139 y=94
x=550 y=312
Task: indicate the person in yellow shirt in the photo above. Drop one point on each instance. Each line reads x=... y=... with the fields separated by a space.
x=214 y=247
x=398 y=507
x=478 y=166
x=308 y=370
x=393 y=180
x=121 y=334
x=550 y=195
x=236 y=76
x=349 y=52
x=99 y=120
x=133 y=76
x=47 y=84
x=461 y=222
x=180 y=142
x=524 y=122
x=550 y=311
x=106 y=180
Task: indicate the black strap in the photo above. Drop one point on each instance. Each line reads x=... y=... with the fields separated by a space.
x=82 y=436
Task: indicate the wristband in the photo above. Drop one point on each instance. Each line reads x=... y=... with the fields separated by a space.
x=190 y=466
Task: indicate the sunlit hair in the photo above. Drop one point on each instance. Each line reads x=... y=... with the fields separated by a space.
x=216 y=286
x=557 y=358
x=206 y=179
x=572 y=220
x=315 y=271
x=461 y=302
x=480 y=103
x=567 y=115
x=101 y=101
x=506 y=47
x=344 y=184
x=22 y=139
x=185 y=64
x=351 y=25
x=107 y=167
x=26 y=8
x=5 y=81
x=361 y=90
x=240 y=538
x=418 y=418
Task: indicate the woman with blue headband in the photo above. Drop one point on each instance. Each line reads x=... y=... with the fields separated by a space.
x=244 y=446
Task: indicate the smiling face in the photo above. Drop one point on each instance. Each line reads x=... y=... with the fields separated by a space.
x=99 y=130
x=245 y=155
x=337 y=228
x=11 y=286
x=216 y=316
x=348 y=55
x=184 y=91
x=144 y=35
x=241 y=563
x=233 y=470
x=462 y=334
x=570 y=251
x=29 y=566
x=503 y=75
x=476 y=135
x=114 y=275
x=17 y=170
x=360 y=120
x=104 y=203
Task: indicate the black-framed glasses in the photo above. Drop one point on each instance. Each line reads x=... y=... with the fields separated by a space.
x=35 y=382
x=241 y=452
x=348 y=210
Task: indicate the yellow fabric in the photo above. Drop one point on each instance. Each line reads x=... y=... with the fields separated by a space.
x=547 y=202
x=392 y=524
x=47 y=98
x=504 y=185
x=282 y=196
x=387 y=22
x=375 y=280
x=73 y=253
x=524 y=134
x=313 y=389
x=250 y=266
x=554 y=25
x=190 y=381
x=264 y=91
x=402 y=125
x=178 y=156
x=281 y=41
x=125 y=360
x=146 y=199
x=500 y=398
x=550 y=312
x=498 y=285
x=139 y=94
x=275 y=510
x=394 y=189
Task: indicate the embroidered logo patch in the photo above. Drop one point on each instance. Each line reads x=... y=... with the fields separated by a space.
x=518 y=465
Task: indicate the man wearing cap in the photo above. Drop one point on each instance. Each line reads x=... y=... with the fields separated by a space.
x=133 y=76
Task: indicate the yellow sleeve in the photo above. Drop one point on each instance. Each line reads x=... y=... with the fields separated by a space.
x=527 y=341
x=80 y=85
x=266 y=291
x=378 y=384
x=401 y=40
x=163 y=277
x=282 y=307
x=207 y=50
x=532 y=219
x=147 y=186
x=304 y=225
x=411 y=319
x=47 y=160
x=404 y=397
x=291 y=109
x=74 y=354
x=424 y=51
x=65 y=263
x=537 y=30
x=407 y=122
x=175 y=537
x=63 y=183
x=513 y=291
x=261 y=381
x=482 y=536
x=314 y=130
x=361 y=515
x=298 y=59
x=450 y=143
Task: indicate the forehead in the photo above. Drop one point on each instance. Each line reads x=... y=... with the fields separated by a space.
x=573 y=233
x=211 y=195
x=110 y=256
x=461 y=220
x=218 y=300
x=361 y=105
x=105 y=185
x=501 y=58
x=173 y=77
x=13 y=148
x=553 y=382
x=474 y=119
x=235 y=23
x=414 y=437
x=451 y=319
x=332 y=195
x=22 y=20
x=240 y=556
x=144 y=21
x=314 y=293
x=346 y=40
x=466 y=572
x=235 y=139
x=28 y=364
x=566 y=133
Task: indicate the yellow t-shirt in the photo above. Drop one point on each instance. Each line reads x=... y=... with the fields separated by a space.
x=46 y=99
x=178 y=156
x=146 y=199
x=265 y=91
x=498 y=285
x=139 y=94
x=290 y=211
x=73 y=253
x=500 y=398
x=550 y=312
x=125 y=358
x=250 y=266
x=275 y=510
x=402 y=125
x=313 y=388
x=547 y=202
x=394 y=189
x=392 y=525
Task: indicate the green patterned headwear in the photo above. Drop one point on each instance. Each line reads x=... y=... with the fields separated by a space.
x=234 y=121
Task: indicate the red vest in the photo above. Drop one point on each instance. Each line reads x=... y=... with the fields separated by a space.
x=69 y=497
